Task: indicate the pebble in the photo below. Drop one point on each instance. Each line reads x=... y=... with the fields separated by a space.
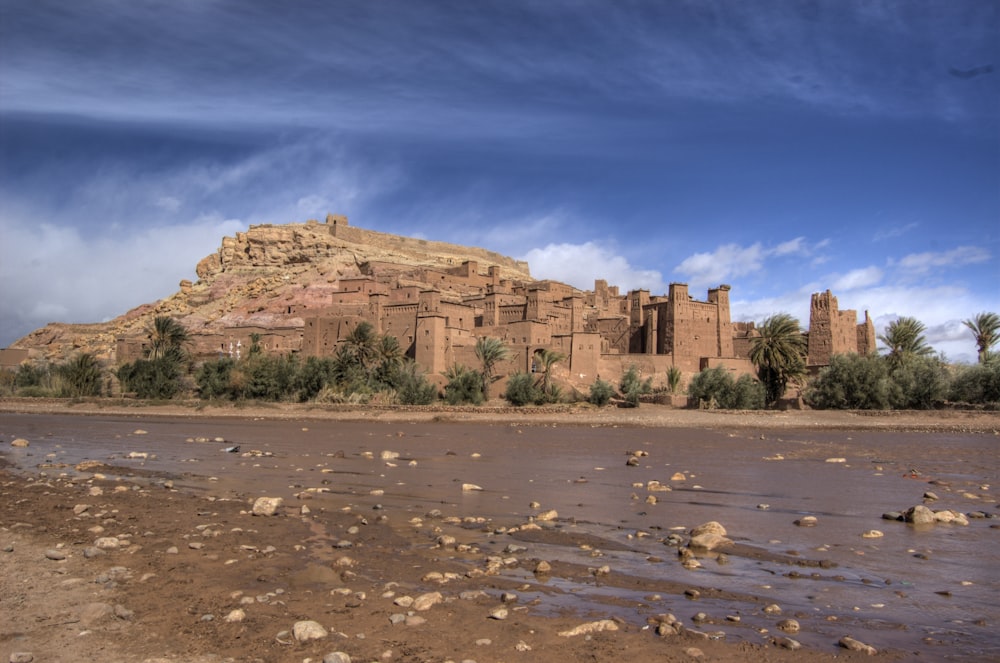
x=873 y=534
x=807 y=521
x=20 y=442
x=21 y=657
x=499 y=614
x=337 y=657
x=55 y=555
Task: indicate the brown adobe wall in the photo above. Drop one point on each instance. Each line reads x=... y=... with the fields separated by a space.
x=388 y=242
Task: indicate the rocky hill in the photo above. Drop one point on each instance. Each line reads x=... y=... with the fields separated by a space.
x=260 y=277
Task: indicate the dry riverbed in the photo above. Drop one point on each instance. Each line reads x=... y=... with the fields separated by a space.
x=374 y=548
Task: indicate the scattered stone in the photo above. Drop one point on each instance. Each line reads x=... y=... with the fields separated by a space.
x=590 y=627
x=108 y=543
x=919 y=515
x=337 y=657
x=789 y=625
x=772 y=609
x=427 y=601
x=709 y=536
x=21 y=657
x=235 y=616
x=873 y=534
x=470 y=487
x=807 y=521
x=930 y=496
x=499 y=614
x=678 y=476
x=851 y=644
x=835 y=460
x=547 y=515
x=389 y=455
x=414 y=620
x=305 y=631
x=788 y=643
x=55 y=554
x=694 y=652
x=20 y=442
x=94 y=613
x=267 y=506
x=543 y=568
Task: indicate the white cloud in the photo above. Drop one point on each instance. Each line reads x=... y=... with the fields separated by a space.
x=723 y=264
x=57 y=274
x=922 y=263
x=580 y=264
x=864 y=277
x=731 y=261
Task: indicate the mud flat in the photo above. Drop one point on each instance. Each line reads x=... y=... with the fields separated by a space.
x=393 y=535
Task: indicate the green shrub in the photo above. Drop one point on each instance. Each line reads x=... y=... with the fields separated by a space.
x=213 y=378
x=745 y=394
x=313 y=375
x=920 y=383
x=708 y=386
x=521 y=390
x=464 y=386
x=412 y=387
x=632 y=386
x=31 y=375
x=151 y=378
x=852 y=382
x=977 y=385
x=81 y=376
x=715 y=387
x=601 y=393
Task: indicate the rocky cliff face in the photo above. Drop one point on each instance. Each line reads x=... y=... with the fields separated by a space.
x=258 y=277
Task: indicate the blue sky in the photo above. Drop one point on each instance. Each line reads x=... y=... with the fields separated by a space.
x=782 y=146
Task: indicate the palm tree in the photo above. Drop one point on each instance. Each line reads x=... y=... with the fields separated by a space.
x=986 y=328
x=904 y=338
x=167 y=337
x=779 y=354
x=546 y=360
x=490 y=352
x=362 y=346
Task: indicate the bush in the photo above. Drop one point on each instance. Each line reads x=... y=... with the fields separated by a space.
x=977 y=385
x=412 y=387
x=708 y=386
x=745 y=394
x=601 y=393
x=81 y=376
x=314 y=374
x=715 y=387
x=464 y=386
x=265 y=377
x=632 y=387
x=213 y=378
x=151 y=378
x=521 y=390
x=921 y=383
x=852 y=382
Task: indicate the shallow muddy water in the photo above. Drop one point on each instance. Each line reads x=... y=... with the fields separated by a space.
x=929 y=590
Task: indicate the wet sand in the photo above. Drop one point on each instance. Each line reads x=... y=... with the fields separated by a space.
x=384 y=488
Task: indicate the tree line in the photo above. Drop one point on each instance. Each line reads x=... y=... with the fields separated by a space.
x=371 y=368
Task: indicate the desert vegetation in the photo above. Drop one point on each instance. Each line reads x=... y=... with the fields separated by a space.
x=370 y=368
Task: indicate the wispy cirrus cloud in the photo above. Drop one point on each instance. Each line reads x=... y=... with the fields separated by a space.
x=922 y=263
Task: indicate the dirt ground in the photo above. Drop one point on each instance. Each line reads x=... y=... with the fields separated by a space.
x=99 y=566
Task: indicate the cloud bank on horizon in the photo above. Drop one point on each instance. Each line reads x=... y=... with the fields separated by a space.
x=781 y=148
